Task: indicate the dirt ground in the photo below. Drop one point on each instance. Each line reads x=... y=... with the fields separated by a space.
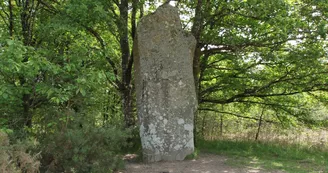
x=206 y=163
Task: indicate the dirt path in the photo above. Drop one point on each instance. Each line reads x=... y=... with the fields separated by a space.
x=206 y=163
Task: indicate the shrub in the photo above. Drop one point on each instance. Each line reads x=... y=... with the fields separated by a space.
x=84 y=148
x=15 y=158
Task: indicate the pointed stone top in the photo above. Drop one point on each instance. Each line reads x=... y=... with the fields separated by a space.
x=165 y=16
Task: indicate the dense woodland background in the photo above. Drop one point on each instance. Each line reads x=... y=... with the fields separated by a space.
x=67 y=99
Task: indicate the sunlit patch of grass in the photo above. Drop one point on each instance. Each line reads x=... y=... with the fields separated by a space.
x=269 y=156
x=277 y=164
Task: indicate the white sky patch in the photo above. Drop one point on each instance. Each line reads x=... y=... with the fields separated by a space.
x=173 y=3
x=252 y=56
x=157 y=4
x=222 y=31
x=315 y=14
x=214 y=47
x=293 y=42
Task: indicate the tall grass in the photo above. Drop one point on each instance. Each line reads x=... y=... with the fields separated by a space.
x=245 y=130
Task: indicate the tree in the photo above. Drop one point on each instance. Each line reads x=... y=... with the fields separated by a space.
x=261 y=53
x=62 y=60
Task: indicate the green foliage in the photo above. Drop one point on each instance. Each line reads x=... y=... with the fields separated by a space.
x=259 y=54
x=56 y=84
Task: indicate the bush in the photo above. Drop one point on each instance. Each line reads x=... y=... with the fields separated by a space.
x=14 y=158
x=84 y=148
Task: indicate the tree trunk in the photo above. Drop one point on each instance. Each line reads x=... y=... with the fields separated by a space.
x=221 y=125
x=196 y=31
x=128 y=108
x=126 y=65
x=26 y=22
x=27 y=8
x=26 y=111
x=11 y=19
x=259 y=126
x=204 y=125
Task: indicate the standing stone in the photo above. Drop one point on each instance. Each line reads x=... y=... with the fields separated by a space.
x=166 y=97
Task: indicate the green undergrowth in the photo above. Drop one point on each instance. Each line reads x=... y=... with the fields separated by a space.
x=193 y=155
x=269 y=156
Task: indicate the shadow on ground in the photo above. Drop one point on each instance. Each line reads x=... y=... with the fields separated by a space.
x=206 y=163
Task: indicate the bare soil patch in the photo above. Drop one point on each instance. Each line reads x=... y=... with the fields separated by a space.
x=206 y=163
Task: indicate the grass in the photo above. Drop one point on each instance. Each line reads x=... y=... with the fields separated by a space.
x=268 y=156
x=193 y=155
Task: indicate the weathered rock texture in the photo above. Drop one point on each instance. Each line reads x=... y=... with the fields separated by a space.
x=166 y=98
